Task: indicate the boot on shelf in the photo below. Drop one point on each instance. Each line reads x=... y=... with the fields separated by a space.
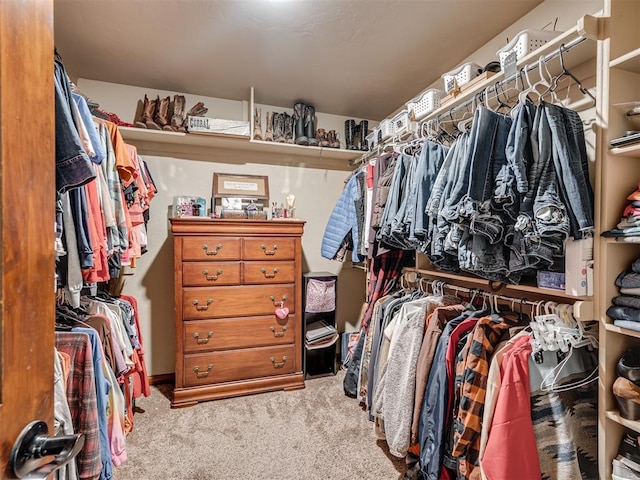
x=288 y=128
x=153 y=107
x=177 y=119
x=146 y=115
x=364 y=125
x=310 y=125
x=268 y=135
x=350 y=134
x=278 y=127
x=336 y=140
x=321 y=136
x=198 y=110
x=257 y=124
x=161 y=116
x=331 y=138
x=300 y=137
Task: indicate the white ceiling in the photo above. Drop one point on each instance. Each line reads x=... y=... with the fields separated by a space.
x=358 y=58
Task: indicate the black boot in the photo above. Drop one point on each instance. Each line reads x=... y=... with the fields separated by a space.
x=310 y=125
x=299 y=118
x=350 y=134
x=364 y=125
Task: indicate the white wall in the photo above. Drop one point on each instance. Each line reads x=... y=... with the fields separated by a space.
x=316 y=192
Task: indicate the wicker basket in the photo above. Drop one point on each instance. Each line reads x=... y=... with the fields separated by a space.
x=425 y=103
x=524 y=43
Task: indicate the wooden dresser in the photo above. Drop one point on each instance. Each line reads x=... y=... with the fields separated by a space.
x=230 y=277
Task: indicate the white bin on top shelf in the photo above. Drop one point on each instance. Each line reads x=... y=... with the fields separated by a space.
x=525 y=42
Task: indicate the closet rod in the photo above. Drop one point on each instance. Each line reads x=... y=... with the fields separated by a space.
x=582 y=309
x=527 y=68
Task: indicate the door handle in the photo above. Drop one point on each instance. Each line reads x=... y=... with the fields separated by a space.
x=32 y=451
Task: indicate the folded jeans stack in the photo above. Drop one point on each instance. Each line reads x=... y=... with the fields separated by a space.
x=625 y=310
x=628 y=230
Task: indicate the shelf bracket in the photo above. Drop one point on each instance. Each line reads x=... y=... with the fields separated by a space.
x=594 y=28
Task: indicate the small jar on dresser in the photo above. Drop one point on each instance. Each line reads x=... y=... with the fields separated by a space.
x=238 y=298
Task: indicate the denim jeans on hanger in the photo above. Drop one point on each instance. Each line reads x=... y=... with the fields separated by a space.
x=399 y=231
x=393 y=200
x=518 y=148
x=549 y=210
x=571 y=164
x=488 y=156
x=431 y=160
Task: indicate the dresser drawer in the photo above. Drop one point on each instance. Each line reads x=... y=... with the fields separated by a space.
x=268 y=272
x=222 y=334
x=216 y=367
x=211 y=248
x=238 y=301
x=202 y=274
x=268 y=248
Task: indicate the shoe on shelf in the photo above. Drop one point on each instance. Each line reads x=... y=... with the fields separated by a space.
x=288 y=128
x=300 y=137
x=321 y=136
x=146 y=113
x=627 y=395
x=177 y=119
x=257 y=124
x=268 y=135
x=310 y=125
x=161 y=116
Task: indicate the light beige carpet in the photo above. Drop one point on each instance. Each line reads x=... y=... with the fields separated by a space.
x=315 y=433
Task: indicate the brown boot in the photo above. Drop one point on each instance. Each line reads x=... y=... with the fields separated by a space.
x=162 y=117
x=321 y=136
x=268 y=136
x=153 y=107
x=288 y=128
x=257 y=124
x=145 y=115
x=177 y=119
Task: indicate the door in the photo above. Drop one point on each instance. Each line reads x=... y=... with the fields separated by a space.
x=27 y=214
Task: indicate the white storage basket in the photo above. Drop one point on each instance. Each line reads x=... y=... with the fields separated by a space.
x=461 y=75
x=400 y=121
x=425 y=103
x=372 y=138
x=525 y=42
x=386 y=128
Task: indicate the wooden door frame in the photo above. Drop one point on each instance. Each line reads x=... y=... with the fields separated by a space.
x=27 y=216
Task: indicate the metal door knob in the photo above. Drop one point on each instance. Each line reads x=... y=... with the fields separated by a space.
x=34 y=444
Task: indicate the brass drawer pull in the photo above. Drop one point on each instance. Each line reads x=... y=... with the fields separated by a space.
x=200 y=374
x=205 y=247
x=212 y=278
x=278 y=304
x=278 y=364
x=202 y=308
x=279 y=334
x=269 y=275
x=202 y=341
x=269 y=252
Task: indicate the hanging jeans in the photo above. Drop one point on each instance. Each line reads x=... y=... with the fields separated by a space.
x=571 y=165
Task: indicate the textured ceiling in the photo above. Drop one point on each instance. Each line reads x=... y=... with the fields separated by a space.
x=359 y=58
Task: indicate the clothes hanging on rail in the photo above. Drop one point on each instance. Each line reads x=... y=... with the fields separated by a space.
x=472 y=381
x=103 y=340
x=104 y=190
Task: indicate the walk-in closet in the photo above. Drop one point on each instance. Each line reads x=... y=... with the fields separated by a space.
x=320 y=239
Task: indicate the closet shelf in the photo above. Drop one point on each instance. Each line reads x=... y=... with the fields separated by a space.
x=503 y=289
x=622 y=331
x=161 y=143
x=629 y=62
x=628 y=151
x=616 y=417
x=580 y=54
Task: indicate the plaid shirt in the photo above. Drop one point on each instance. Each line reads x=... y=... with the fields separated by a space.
x=81 y=396
x=468 y=422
